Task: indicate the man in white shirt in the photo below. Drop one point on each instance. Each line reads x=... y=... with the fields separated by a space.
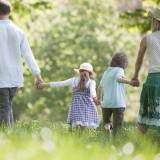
x=13 y=45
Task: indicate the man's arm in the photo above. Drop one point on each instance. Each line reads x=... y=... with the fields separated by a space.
x=30 y=60
x=28 y=56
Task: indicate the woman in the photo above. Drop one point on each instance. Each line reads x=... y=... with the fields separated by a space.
x=149 y=113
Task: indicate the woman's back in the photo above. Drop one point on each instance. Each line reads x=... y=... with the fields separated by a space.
x=153 y=51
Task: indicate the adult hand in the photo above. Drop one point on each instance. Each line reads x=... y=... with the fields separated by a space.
x=38 y=81
x=135 y=82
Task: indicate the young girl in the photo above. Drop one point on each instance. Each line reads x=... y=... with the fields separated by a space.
x=82 y=111
x=112 y=86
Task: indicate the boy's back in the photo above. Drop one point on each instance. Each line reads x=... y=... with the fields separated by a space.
x=114 y=92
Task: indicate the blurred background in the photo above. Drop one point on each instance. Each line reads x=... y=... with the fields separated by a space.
x=65 y=33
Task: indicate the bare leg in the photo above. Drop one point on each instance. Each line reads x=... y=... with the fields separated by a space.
x=107 y=128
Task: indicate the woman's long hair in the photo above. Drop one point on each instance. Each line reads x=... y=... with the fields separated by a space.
x=155 y=25
x=83 y=80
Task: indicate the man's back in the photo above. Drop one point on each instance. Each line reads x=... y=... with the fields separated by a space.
x=14 y=45
x=10 y=55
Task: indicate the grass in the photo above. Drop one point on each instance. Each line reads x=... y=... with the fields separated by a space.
x=36 y=141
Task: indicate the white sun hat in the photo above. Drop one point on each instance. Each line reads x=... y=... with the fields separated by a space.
x=88 y=67
x=155 y=13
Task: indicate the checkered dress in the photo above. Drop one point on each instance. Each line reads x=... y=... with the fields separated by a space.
x=82 y=110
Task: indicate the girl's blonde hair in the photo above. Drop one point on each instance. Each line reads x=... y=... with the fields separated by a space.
x=155 y=25
x=83 y=80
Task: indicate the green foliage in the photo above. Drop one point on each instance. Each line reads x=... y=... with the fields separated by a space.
x=138 y=18
x=62 y=35
x=38 y=141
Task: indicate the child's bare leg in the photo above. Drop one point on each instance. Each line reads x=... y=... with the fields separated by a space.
x=107 y=128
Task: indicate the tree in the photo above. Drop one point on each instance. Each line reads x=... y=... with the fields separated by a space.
x=64 y=34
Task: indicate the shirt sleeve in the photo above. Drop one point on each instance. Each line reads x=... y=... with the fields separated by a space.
x=28 y=56
x=68 y=82
x=120 y=73
x=93 y=89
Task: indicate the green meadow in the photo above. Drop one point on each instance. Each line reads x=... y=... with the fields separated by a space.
x=36 y=141
x=62 y=35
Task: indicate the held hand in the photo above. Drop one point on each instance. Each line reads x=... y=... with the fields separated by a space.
x=135 y=83
x=135 y=78
x=96 y=101
x=40 y=86
x=38 y=81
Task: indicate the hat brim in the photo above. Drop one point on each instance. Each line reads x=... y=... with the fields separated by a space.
x=93 y=74
x=151 y=15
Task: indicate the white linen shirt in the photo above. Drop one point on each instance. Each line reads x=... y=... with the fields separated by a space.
x=74 y=82
x=14 y=45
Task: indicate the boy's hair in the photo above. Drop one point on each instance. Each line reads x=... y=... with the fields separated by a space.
x=119 y=60
x=5 y=7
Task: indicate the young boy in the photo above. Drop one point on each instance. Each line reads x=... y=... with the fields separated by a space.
x=113 y=88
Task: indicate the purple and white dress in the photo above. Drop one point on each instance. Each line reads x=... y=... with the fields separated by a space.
x=82 y=109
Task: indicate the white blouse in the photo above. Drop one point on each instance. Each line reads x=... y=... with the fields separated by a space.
x=74 y=82
x=153 y=52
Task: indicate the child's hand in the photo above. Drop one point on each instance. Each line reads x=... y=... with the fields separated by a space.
x=96 y=101
x=40 y=86
x=135 y=83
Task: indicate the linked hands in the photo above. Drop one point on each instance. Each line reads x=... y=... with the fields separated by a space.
x=38 y=81
x=96 y=101
x=40 y=86
x=135 y=82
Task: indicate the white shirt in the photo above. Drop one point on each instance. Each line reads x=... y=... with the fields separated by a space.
x=114 y=92
x=153 y=52
x=74 y=82
x=14 y=45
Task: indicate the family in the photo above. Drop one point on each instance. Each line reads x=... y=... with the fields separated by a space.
x=111 y=90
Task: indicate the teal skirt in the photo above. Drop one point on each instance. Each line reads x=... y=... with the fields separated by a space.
x=149 y=113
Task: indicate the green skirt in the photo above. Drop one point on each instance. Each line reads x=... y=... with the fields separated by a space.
x=149 y=113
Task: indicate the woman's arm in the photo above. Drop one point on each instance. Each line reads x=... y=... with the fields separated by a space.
x=139 y=60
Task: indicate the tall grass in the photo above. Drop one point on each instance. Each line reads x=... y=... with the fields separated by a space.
x=37 y=141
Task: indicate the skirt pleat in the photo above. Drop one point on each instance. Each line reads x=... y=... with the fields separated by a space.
x=149 y=113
